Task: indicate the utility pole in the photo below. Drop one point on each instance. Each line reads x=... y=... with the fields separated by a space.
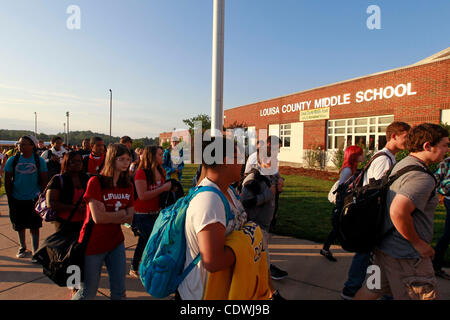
x=67 y=114
x=35 y=125
x=110 y=115
x=217 y=66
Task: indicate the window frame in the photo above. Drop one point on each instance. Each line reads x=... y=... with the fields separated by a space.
x=283 y=129
x=350 y=128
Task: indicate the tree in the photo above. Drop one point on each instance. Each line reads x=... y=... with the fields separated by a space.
x=203 y=118
x=236 y=124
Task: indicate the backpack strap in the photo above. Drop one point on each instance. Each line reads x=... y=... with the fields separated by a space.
x=72 y=213
x=228 y=215
x=406 y=169
x=37 y=163
x=413 y=167
x=14 y=165
x=359 y=179
x=397 y=175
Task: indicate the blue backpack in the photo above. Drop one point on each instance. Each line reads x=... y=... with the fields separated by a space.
x=161 y=269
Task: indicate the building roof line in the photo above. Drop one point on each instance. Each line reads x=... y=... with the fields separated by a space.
x=437 y=57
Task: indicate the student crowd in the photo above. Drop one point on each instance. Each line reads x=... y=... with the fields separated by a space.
x=408 y=263
x=108 y=188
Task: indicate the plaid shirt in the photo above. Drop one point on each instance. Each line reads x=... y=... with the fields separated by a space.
x=442 y=174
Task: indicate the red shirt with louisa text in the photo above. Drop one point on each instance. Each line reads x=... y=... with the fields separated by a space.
x=105 y=237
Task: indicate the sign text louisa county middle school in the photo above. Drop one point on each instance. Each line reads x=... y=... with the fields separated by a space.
x=342 y=99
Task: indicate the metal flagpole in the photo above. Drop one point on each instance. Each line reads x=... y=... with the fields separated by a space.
x=217 y=66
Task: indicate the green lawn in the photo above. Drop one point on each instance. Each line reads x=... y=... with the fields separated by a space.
x=304 y=211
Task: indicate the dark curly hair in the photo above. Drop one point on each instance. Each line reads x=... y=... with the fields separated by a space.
x=425 y=132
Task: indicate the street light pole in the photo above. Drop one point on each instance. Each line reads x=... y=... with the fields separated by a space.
x=110 y=115
x=217 y=66
x=35 y=124
x=67 y=114
x=64 y=128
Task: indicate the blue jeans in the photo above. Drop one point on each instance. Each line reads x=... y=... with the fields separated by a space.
x=144 y=223
x=357 y=273
x=444 y=241
x=115 y=261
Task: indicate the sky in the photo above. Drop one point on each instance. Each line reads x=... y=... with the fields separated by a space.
x=156 y=56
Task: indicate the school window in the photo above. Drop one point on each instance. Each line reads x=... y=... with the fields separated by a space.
x=367 y=132
x=285 y=135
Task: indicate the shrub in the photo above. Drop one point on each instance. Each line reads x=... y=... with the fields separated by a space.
x=315 y=157
x=367 y=156
x=338 y=158
x=165 y=145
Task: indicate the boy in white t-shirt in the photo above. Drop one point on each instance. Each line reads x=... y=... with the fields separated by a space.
x=206 y=225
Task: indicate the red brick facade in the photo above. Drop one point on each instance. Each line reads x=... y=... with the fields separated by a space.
x=430 y=82
x=165 y=136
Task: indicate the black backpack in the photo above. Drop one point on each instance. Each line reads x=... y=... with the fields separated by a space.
x=360 y=211
x=167 y=198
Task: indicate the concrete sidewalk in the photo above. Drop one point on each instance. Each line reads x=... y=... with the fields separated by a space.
x=311 y=276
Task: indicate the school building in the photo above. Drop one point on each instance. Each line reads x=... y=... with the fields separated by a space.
x=355 y=111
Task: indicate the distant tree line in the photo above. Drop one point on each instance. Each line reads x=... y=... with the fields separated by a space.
x=75 y=137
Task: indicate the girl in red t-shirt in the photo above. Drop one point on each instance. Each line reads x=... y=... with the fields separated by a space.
x=150 y=182
x=110 y=199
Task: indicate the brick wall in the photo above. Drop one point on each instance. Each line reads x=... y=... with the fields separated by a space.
x=163 y=137
x=430 y=82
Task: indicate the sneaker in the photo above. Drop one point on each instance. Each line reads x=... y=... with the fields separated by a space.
x=346 y=296
x=134 y=274
x=327 y=254
x=442 y=274
x=33 y=260
x=276 y=273
x=21 y=253
x=276 y=296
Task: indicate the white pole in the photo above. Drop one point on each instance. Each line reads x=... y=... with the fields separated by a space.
x=67 y=114
x=217 y=66
x=35 y=124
